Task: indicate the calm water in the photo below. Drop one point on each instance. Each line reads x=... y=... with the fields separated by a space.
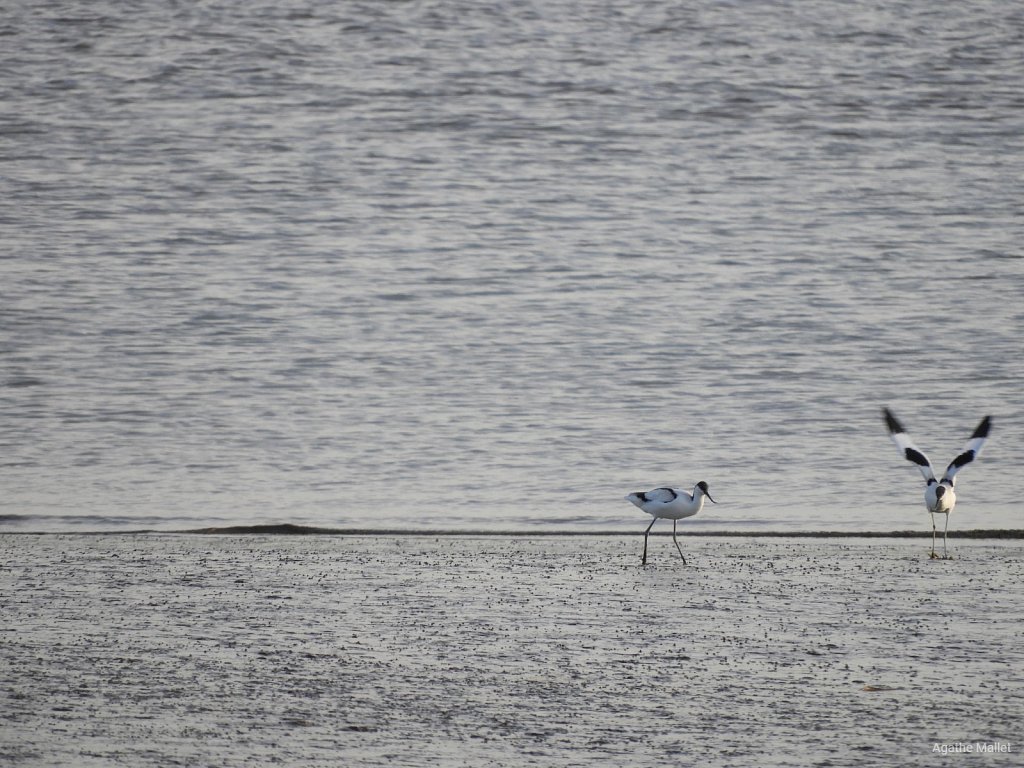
x=442 y=264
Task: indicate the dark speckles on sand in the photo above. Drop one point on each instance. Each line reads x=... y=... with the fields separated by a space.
x=238 y=650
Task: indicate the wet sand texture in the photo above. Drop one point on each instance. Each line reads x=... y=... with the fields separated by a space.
x=151 y=650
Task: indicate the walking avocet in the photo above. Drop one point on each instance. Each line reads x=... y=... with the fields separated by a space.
x=672 y=504
x=939 y=496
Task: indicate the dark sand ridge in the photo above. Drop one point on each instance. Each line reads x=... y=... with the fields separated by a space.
x=290 y=529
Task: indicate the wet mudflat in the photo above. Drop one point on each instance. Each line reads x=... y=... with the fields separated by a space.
x=158 y=650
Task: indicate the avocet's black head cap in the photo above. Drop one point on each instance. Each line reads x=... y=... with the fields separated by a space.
x=704 y=487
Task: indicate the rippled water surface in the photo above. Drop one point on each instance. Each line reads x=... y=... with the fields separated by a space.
x=458 y=265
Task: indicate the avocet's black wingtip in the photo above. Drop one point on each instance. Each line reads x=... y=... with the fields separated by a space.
x=891 y=422
x=983 y=428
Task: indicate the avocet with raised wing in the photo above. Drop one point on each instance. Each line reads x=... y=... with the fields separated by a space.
x=939 y=496
x=671 y=503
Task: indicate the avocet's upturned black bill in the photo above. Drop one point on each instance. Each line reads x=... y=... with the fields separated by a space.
x=939 y=496
x=671 y=503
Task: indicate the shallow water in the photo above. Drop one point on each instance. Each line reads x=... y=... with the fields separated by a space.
x=439 y=264
x=233 y=651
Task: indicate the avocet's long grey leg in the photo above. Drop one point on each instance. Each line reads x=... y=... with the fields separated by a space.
x=646 y=534
x=933 y=555
x=677 y=541
x=944 y=532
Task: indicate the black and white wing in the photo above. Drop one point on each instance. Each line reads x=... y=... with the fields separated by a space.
x=971 y=450
x=906 y=445
x=662 y=495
